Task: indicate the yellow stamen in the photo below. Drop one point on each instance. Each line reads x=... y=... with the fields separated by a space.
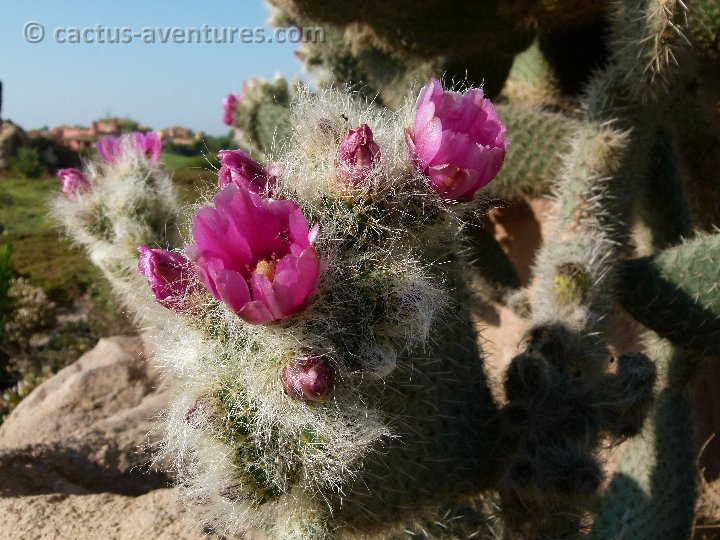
x=266 y=268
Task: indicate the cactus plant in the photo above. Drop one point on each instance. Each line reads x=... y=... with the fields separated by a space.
x=342 y=404
x=331 y=385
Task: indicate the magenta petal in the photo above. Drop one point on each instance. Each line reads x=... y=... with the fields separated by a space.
x=298 y=229
x=107 y=147
x=263 y=291
x=295 y=279
x=73 y=181
x=167 y=274
x=257 y=223
x=493 y=163
x=153 y=146
x=210 y=230
x=453 y=149
x=424 y=115
x=203 y=275
x=428 y=141
x=233 y=289
x=464 y=188
x=410 y=142
x=229 y=104
x=458 y=142
x=256 y=312
x=432 y=90
x=238 y=167
x=314 y=233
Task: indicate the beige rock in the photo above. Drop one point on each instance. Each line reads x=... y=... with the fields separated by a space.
x=11 y=138
x=106 y=400
x=72 y=463
x=102 y=516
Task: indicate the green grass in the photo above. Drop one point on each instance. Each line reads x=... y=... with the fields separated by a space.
x=38 y=250
x=191 y=174
x=176 y=162
x=24 y=204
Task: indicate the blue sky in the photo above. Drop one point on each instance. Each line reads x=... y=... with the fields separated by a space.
x=160 y=85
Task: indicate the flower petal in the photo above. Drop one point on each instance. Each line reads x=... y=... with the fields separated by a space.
x=256 y=312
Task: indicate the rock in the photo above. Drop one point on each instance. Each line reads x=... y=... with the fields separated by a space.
x=73 y=455
x=12 y=137
x=155 y=515
x=111 y=392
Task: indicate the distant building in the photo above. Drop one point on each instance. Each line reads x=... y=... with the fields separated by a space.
x=77 y=138
x=82 y=139
x=115 y=126
x=177 y=135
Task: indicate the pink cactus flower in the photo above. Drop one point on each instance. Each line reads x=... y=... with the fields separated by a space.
x=357 y=155
x=458 y=140
x=110 y=148
x=73 y=181
x=307 y=378
x=238 y=167
x=255 y=254
x=229 y=103
x=169 y=275
x=148 y=144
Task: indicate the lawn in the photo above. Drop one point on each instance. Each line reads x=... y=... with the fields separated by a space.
x=24 y=203
x=191 y=174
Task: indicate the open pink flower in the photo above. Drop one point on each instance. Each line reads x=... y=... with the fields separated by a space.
x=357 y=155
x=229 y=103
x=238 y=167
x=73 y=181
x=458 y=140
x=255 y=254
x=168 y=275
x=110 y=148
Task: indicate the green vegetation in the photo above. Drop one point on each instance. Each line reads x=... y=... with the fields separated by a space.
x=36 y=242
x=5 y=275
x=23 y=204
x=27 y=163
x=191 y=173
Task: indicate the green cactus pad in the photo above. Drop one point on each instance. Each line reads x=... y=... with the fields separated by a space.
x=676 y=293
x=534 y=160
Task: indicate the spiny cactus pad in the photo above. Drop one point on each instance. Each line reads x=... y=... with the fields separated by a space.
x=676 y=293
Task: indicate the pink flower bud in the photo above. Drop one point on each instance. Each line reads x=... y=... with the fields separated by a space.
x=238 y=167
x=168 y=274
x=307 y=378
x=357 y=155
x=73 y=181
x=229 y=103
x=458 y=141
